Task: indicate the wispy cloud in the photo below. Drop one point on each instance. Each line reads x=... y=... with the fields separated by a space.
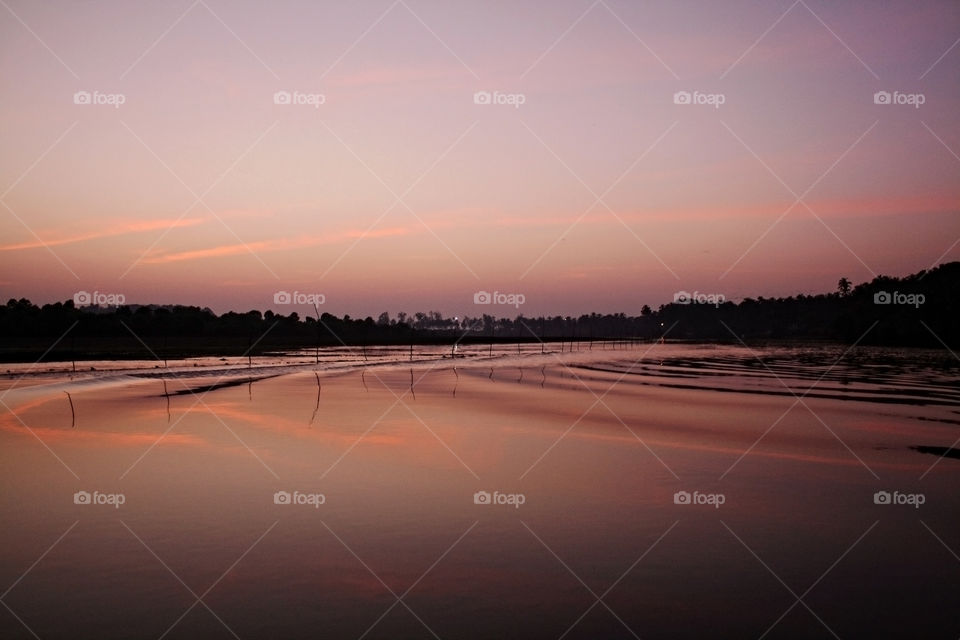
x=479 y=218
x=397 y=75
x=279 y=244
x=108 y=230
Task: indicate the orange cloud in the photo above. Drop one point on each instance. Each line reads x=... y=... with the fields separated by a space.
x=280 y=244
x=118 y=229
x=387 y=75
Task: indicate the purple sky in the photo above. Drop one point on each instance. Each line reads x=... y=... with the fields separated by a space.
x=584 y=185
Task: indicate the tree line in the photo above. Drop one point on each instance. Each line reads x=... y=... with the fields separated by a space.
x=918 y=310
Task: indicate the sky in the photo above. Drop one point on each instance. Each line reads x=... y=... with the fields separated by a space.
x=406 y=155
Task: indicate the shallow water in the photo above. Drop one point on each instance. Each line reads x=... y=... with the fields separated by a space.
x=781 y=450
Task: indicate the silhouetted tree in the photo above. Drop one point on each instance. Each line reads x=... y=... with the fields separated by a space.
x=919 y=309
x=843 y=286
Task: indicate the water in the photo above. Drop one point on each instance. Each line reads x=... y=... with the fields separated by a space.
x=781 y=451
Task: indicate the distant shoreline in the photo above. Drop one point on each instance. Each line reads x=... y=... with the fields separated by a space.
x=919 y=310
x=110 y=349
x=182 y=352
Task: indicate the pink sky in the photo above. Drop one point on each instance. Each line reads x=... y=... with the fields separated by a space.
x=399 y=192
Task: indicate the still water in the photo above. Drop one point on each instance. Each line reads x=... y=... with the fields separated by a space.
x=654 y=491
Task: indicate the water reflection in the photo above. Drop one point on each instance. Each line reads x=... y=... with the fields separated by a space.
x=599 y=445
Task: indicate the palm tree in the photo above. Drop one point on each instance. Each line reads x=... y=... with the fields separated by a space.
x=843 y=286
